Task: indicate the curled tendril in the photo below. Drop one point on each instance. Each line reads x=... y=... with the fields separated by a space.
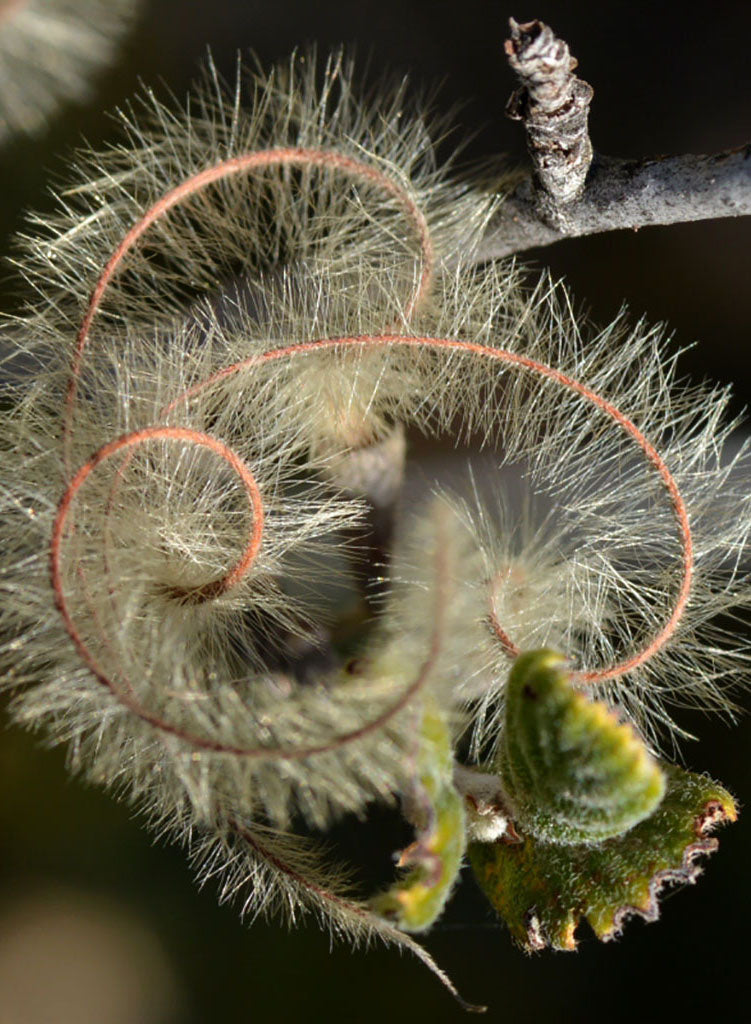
x=187 y=189
x=542 y=370
x=359 y=170
x=244 y=164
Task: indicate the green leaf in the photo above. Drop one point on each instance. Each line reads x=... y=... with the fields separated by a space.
x=543 y=889
x=434 y=860
x=571 y=771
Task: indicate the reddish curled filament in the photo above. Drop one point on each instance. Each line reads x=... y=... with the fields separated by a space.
x=290 y=156
x=244 y=565
x=549 y=372
x=246 y=163
x=215 y=588
x=308 y=157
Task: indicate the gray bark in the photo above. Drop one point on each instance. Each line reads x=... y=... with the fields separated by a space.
x=627 y=194
x=568 y=192
x=554 y=106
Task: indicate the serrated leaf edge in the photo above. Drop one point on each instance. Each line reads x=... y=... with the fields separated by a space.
x=714 y=814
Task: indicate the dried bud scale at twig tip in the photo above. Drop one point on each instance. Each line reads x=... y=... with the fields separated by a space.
x=554 y=106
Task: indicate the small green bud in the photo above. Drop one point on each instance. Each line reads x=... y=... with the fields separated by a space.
x=571 y=771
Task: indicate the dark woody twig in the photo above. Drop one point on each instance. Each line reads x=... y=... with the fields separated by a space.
x=565 y=196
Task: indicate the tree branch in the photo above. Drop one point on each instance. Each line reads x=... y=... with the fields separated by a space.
x=564 y=196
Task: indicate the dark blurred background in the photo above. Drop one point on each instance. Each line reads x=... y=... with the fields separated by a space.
x=99 y=925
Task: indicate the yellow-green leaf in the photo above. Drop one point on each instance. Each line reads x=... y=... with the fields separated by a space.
x=572 y=772
x=543 y=889
x=434 y=860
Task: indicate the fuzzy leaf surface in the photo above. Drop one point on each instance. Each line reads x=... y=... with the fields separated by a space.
x=572 y=771
x=542 y=890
